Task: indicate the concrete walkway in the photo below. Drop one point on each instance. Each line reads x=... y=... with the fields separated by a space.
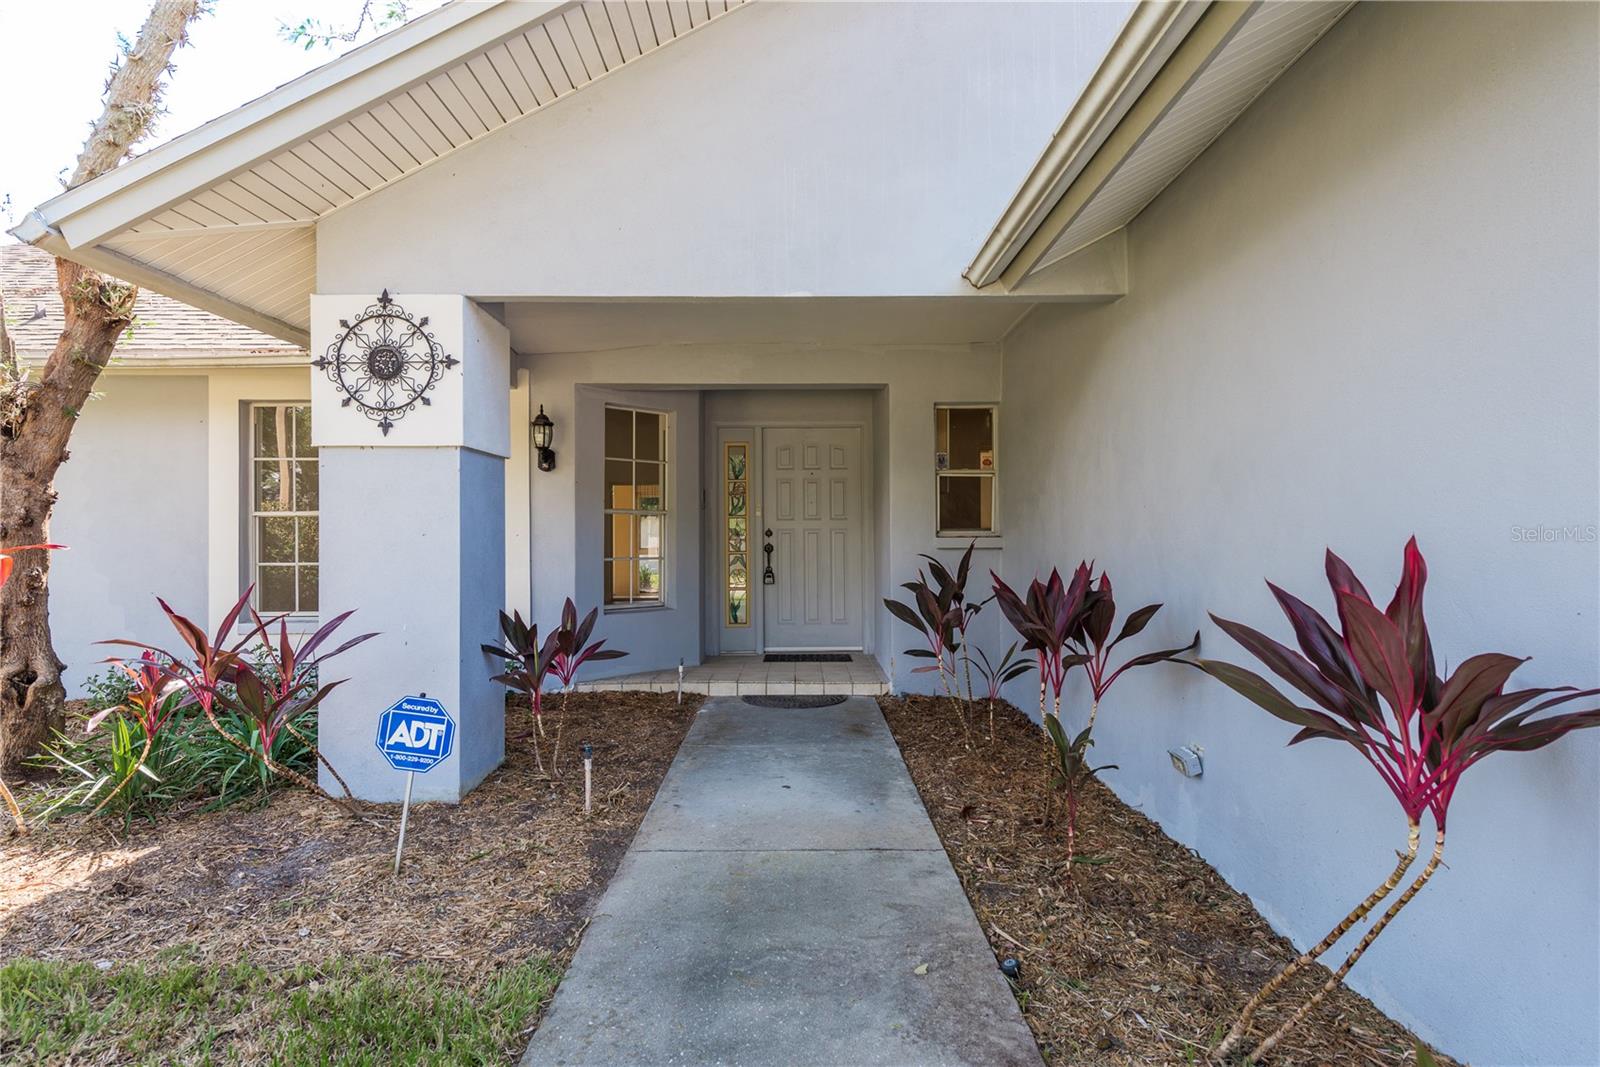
x=780 y=898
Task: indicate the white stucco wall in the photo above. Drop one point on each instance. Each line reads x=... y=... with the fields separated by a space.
x=1368 y=310
x=839 y=149
x=906 y=381
x=132 y=511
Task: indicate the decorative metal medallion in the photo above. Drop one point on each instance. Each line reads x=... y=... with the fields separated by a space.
x=385 y=362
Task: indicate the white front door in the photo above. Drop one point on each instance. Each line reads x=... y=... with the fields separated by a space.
x=811 y=521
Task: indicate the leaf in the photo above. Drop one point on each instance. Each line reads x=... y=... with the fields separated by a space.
x=921 y=968
x=1464 y=695
x=1260 y=692
x=1292 y=668
x=1380 y=653
x=1136 y=623
x=904 y=614
x=1405 y=611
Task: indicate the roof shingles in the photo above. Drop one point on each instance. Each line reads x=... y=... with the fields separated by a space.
x=163 y=328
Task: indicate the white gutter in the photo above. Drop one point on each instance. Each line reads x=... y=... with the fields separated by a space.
x=1152 y=33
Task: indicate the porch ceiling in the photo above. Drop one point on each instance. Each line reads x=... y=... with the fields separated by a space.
x=589 y=326
x=224 y=217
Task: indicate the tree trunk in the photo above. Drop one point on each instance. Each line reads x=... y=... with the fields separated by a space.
x=39 y=415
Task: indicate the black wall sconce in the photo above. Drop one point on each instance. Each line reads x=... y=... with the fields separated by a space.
x=543 y=433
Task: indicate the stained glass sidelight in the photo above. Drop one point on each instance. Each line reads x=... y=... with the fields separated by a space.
x=736 y=502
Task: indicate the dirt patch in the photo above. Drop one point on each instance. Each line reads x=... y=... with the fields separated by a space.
x=1139 y=958
x=509 y=873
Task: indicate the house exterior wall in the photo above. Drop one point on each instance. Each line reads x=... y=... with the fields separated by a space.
x=1367 y=311
x=133 y=513
x=906 y=382
x=839 y=149
x=176 y=439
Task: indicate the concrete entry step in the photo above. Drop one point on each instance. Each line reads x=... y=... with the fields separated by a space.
x=751 y=676
x=777 y=904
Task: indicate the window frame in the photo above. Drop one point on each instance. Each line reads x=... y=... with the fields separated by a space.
x=992 y=474
x=252 y=537
x=608 y=513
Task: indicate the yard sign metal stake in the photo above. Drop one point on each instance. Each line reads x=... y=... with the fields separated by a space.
x=405 y=817
x=415 y=734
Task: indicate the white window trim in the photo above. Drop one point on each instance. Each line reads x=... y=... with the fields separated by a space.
x=297 y=619
x=666 y=461
x=993 y=474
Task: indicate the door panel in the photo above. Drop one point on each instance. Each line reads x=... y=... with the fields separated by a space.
x=813 y=481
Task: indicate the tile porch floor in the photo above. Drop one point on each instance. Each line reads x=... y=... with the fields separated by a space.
x=750 y=676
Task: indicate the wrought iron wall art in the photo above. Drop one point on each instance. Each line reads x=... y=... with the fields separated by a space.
x=385 y=362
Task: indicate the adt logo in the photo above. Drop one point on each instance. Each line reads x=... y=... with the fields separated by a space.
x=416 y=734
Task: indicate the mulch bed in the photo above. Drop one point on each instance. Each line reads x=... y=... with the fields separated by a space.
x=1143 y=958
x=506 y=875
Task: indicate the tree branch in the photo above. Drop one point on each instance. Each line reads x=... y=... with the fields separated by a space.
x=133 y=93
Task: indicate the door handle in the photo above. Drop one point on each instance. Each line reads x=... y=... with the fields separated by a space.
x=767 y=575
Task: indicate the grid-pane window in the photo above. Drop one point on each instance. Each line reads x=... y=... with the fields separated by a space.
x=965 y=462
x=635 y=506
x=283 y=509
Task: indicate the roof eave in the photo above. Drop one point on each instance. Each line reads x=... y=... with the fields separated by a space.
x=35 y=231
x=240 y=138
x=1151 y=35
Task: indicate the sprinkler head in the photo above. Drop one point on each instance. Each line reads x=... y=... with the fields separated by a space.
x=588 y=751
x=1011 y=968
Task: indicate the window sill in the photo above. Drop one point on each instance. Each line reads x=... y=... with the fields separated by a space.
x=633 y=609
x=986 y=541
x=298 y=624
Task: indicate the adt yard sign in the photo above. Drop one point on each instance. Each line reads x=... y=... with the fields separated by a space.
x=416 y=734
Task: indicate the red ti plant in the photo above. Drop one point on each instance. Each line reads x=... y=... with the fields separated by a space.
x=1047 y=618
x=1092 y=643
x=290 y=689
x=572 y=650
x=1093 y=647
x=1374 y=685
x=952 y=592
x=937 y=617
x=217 y=664
x=997 y=675
x=519 y=644
x=152 y=701
x=211 y=660
x=7 y=563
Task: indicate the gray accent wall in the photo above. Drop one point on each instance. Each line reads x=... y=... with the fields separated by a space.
x=133 y=513
x=1367 y=311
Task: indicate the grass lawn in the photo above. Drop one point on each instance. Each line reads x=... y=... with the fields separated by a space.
x=280 y=934
x=347 y=1011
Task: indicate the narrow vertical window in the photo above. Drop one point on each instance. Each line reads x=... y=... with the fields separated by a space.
x=635 y=507
x=283 y=507
x=736 y=515
x=966 y=468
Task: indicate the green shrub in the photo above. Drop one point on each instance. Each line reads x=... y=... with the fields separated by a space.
x=188 y=762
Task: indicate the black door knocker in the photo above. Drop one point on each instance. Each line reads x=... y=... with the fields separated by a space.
x=767 y=577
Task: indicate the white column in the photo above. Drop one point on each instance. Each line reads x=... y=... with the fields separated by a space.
x=413 y=527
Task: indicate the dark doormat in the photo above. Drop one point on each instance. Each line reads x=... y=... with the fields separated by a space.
x=794 y=703
x=806 y=657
